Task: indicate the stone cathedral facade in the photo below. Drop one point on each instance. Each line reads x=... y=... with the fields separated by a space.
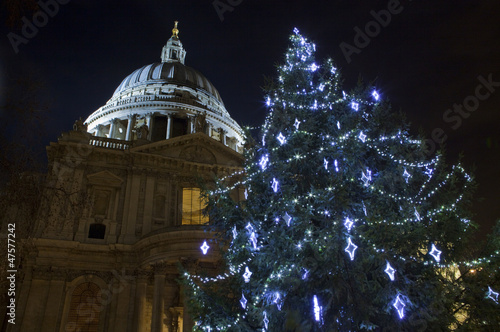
x=122 y=206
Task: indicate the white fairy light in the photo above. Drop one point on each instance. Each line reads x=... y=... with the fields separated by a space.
x=348 y=224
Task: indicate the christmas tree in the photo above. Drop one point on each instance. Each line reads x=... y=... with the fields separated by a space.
x=347 y=224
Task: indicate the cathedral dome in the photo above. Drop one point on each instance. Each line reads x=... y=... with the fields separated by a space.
x=167 y=72
x=163 y=100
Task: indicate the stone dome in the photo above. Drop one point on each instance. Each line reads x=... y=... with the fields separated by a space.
x=167 y=72
x=164 y=100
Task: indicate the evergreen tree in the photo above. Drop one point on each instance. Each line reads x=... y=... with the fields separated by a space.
x=347 y=224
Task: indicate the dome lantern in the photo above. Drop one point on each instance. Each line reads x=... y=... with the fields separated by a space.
x=173 y=51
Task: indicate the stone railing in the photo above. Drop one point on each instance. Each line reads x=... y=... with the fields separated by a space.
x=110 y=143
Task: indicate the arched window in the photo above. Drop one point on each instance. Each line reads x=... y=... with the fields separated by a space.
x=85 y=308
x=192 y=207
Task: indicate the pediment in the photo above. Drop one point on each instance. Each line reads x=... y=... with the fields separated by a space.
x=104 y=178
x=197 y=148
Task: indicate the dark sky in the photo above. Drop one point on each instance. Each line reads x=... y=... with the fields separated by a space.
x=429 y=57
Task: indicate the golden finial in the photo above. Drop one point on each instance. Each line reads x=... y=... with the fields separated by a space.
x=175 y=31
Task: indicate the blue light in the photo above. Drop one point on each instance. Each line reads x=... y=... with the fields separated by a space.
x=204 y=248
x=275 y=185
x=351 y=248
x=390 y=271
x=355 y=106
x=247 y=274
x=281 y=138
x=362 y=137
x=492 y=294
x=297 y=124
x=317 y=309
x=243 y=301
x=348 y=224
x=400 y=306
x=253 y=240
x=263 y=161
x=375 y=95
x=435 y=253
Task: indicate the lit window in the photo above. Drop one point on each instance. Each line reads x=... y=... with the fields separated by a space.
x=192 y=207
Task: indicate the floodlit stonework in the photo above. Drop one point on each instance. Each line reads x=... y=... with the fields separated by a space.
x=122 y=205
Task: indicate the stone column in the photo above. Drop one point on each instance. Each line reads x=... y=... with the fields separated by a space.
x=130 y=125
x=149 y=123
x=99 y=130
x=169 y=126
x=112 y=128
x=140 y=302
x=222 y=134
x=209 y=125
x=191 y=124
x=54 y=302
x=158 y=293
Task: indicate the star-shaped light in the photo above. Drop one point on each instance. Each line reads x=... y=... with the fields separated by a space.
x=336 y=165
x=362 y=137
x=277 y=300
x=348 y=224
x=317 y=309
x=338 y=124
x=204 y=248
x=243 y=301
x=343 y=94
x=263 y=161
x=249 y=227
x=400 y=307
x=355 y=106
x=390 y=271
x=351 y=248
x=325 y=163
x=246 y=194
x=375 y=95
x=435 y=253
x=253 y=240
x=364 y=209
x=235 y=232
x=314 y=67
x=275 y=185
x=287 y=219
x=367 y=177
x=429 y=171
x=306 y=273
x=247 y=274
x=265 y=320
x=406 y=175
x=296 y=124
x=281 y=138
x=492 y=294
x=417 y=215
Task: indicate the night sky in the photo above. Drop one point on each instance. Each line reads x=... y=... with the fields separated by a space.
x=429 y=57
